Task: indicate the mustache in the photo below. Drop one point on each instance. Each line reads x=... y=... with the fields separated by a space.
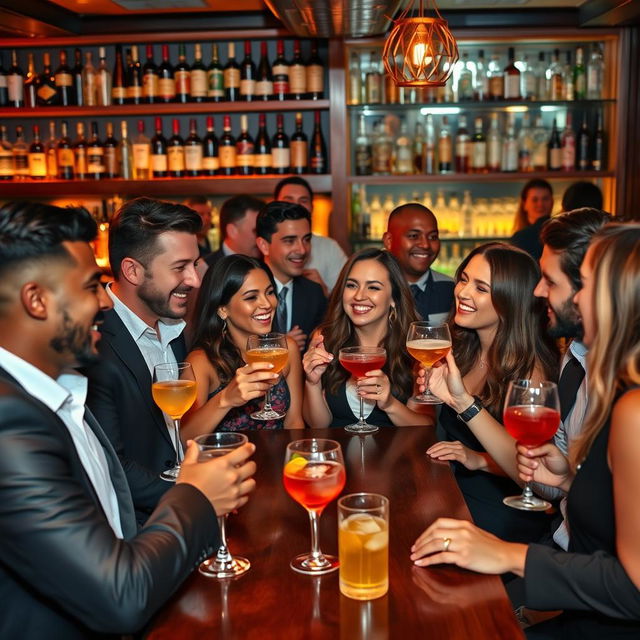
x=99 y=318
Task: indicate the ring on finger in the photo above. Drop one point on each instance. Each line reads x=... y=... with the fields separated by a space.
x=446 y=542
x=378 y=389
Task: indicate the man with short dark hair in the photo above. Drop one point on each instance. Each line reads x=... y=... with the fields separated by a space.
x=72 y=561
x=237 y=228
x=153 y=252
x=284 y=238
x=202 y=206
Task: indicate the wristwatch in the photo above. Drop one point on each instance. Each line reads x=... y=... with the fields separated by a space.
x=472 y=411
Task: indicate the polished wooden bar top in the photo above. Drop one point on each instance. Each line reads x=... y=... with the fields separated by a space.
x=272 y=601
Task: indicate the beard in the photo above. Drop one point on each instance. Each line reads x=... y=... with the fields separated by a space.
x=76 y=340
x=159 y=303
x=567 y=322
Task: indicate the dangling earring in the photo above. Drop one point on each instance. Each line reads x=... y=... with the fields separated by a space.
x=224 y=324
x=393 y=314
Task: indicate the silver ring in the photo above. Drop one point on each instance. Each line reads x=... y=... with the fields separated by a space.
x=447 y=542
x=378 y=388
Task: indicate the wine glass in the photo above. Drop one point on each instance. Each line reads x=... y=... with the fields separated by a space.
x=270 y=347
x=357 y=361
x=428 y=344
x=223 y=564
x=531 y=416
x=313 y=476
x=174 y=391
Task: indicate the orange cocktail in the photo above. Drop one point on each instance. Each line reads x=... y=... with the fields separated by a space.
x=315 y=484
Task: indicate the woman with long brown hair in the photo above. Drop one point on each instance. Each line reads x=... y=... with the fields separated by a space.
x=371 y=306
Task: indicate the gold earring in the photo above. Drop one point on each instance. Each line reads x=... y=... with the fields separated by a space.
x=393 y=314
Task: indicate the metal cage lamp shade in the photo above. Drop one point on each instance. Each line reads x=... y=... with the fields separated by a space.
x=421 y=51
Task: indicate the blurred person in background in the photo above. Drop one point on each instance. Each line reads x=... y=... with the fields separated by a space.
x=534 y=209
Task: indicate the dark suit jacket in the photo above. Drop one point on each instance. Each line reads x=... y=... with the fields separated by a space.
x=63 y=573
x=120 y=397
x=309 y=305
x=528 y=239
x=212 y=258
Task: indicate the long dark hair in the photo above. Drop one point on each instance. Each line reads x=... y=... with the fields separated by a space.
x=521 y=219
x=521 y=340
x=338 y=331
x=219 y=285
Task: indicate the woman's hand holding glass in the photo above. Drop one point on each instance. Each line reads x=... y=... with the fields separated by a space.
x=316 y=360
x=545 y=464
x=446 y=382
x=250 y=382
x=376 y=386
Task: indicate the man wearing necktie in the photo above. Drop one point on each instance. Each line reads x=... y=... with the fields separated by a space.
x=412 y=237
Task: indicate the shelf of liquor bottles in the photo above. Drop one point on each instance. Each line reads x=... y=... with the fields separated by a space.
x=494 y=177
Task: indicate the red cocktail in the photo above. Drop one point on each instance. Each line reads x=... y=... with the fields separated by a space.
x=531 y=425
x=359 y=364
x=315 y=484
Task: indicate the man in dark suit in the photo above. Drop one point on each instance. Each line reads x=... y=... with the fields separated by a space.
x=284 y=236
x=153 y=253
x=72 y=562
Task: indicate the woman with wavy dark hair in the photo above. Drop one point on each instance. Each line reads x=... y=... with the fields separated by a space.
x=498 y=334
x=237 y=299
x=371 y=306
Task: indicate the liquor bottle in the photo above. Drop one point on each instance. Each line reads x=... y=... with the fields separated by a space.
x=198 y=77
x=482 y=79
x=598 y=161
x=402 y=152
x=193 y=151
x=244 y=149
x=31 y=83
x=52 y=152
x=509 y=158
x=580 y=76
x=465 y=80
x=382 y=149
x=247 y=75
x=142 y=154
x=76 y=75
x=125 y=153
x=525 y=145
x=264 y=77
x=496 y=78
x=478 y=148
x=6 y=155
x=373 y=81
x=166 y=78
x=583 y=146
x=430 y=146
x=4 y=92
x=494 y=144
x=150 y=79
x=315 y=74
x=66 y=157
x=363 y=150
x=20 y=155
x=390 y=91
x=280 y=72
x=463 y=147
x=418 y=148
x=297 y=73
x=118 y=83
x=159 y=159
x=528 y=80
x=15 y=82
x=540 y=74
x=134 y=78
x=445 y=164
x=595 y=73
x=227 y=148
x=103 y=80
x=540 y=139
x=231 y=75
x=89 y=81
x=215 y=76
x=280 y=149
x=96 y=160
x=64 y=81
x=355 y=79
x=511 y=78
x=182 y=76
x=110 y=153
x=47 y=93
x=262 y=150
x=568 y=142
x=555 y=84
x=567 y=78
x=317 y=148
x=175 y=152
x=80 y=153
x=300 y=148
x=555 y=149
x=210 y=158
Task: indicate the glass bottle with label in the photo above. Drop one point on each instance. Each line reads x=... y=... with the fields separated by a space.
x=231 y=75
x=118 y=83
x=363 y=150
x=159 y=158
x=373 y=81
x=463 y=147
x=215 y=77
x=52 y=152
x=244 y=149
x=583 y=145
x=20 y=155
x=4 y=92
x=494 y=144
x=555 y=149
x=595 y=73
x=30 y=83
x=193 y=151
x=465 y=87
x=37 y=157
x=66 y=157
x=166 y=78
x=264 y=77
x=111 y=160
x=64 y=81
x=198 y=76
x=528 y=80
x=496 y=78
x=509 y=159
x=80 y=153
x=150 y=78
x=430 y=146
x=568 y=142
x=6 y=155
x=134 y=78
x=481 y=89
x=403 y=152
x=540 y=73
x=315 y=74
x=580 y=76
x=299 y=148
x=47 y=93
x=567 y=78
x=540 y=140
x=525 y=145
x=175 y=152
x=125 y=153
x=247 y=75
x=555 y=78
x=280 y=72
x=445 y=148
x=262 y=156
x=355 y=79
x=318 y=162
x=210 y=158
x=511 y=78
x=142 y=154
x=15 y=82
x=182 y=75
x=96 y=167
x=418 y=148
x=297 y=74
x=599 y=159
x=478 y=148
x=382 y=149
x=103 y=80
x=280 y=149
x=227 y=149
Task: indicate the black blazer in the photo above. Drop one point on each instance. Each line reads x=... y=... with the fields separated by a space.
x=120 y=398
x=63 y=573
x=309 y=305
x=212 y=258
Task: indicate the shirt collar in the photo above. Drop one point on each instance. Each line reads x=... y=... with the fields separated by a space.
x=579 y=350
x=280 y=286
x=422 y=281
x=227 y=250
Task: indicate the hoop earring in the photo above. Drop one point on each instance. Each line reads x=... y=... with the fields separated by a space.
x=224 y=325
x=393 y=315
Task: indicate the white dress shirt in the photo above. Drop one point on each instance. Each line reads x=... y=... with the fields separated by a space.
x=66 y=398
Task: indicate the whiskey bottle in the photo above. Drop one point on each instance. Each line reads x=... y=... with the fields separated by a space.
x=47 y=93
x=89 y=81
x=20 y=155
x=6 y=155
x=52 y=153
x=363 y=150
x=445 y=164
x=96 y=159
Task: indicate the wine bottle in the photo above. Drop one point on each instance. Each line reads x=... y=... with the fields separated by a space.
x=103 y=80
x=110 y=147
x=580 y=76
x=6 y=155
x=125 y=152
x=142 y=154
x=478 y=148
x=227 y=149
x=89 y=81
x=193 y=151
x=134 y=78
x=264 y=77
x=244 y=149
x=20 y=155
x=463 y=147
x=247 y=75
x=315 y=74
x=583 y=147
x=80 y=153
x=555 y=149
x=215 y=77
x=175 y=152
x=52 y=152
x=118 y=85
x=159 y=162
x=231 y=75
x=37 y=157
x=299 y=148
x=166 y=79
x=64 y=81
x=363 y=150
x=96 y=160
x=150 y=79
x=280 y=72
x=297 y=73
x=47 y=93
x=317 y=148
x=15 y=82
x=198 y=83
x=210 y=158
x=76 y=76
x=598 y=162
x=182 y=73
x=65 y=156
x=31 y=83
x=4 y=92
x=568 y=142
x=512 y=78
x=262 y=149
x=445 y=164
x=280 y=149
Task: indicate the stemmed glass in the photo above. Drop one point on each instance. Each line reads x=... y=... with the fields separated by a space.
x=313 y=476
x=270 y=347
x=223 y=564
x=174 y=391
x=428 y=344
x=531 y=416
x=357 y=361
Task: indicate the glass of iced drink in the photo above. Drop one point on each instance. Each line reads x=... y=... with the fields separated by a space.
x=363 y=542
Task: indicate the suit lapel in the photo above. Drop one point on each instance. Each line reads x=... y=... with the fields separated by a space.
x=296 y=309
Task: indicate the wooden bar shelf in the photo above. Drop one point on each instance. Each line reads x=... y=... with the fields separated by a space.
x=478 y=177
